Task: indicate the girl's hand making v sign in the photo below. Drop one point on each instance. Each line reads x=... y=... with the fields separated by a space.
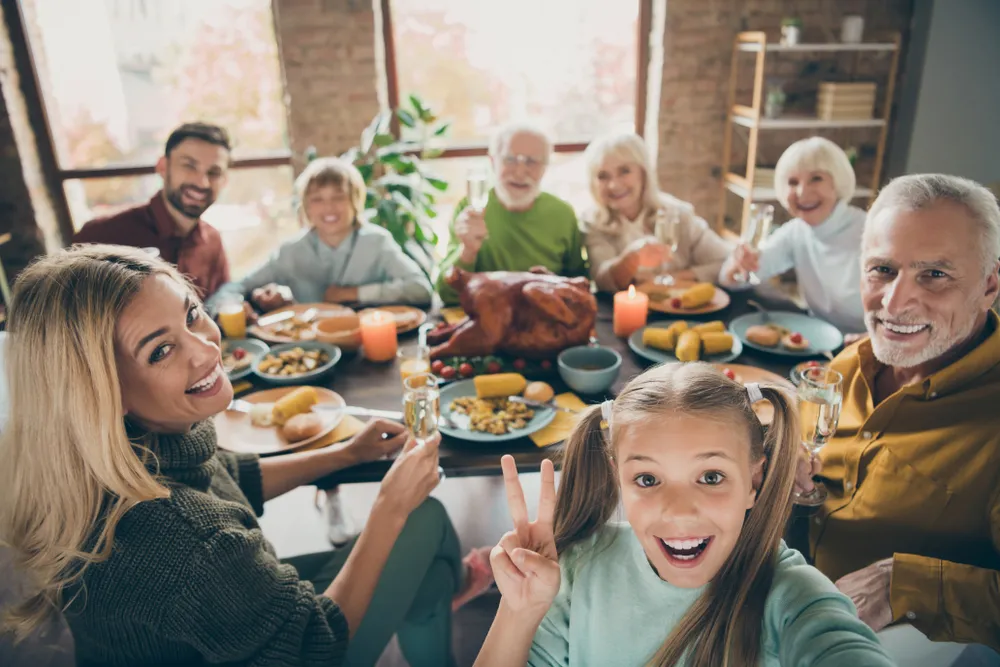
x=525 y=562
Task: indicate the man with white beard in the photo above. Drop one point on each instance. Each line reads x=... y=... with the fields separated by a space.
x=911 y=528
x=521 y=226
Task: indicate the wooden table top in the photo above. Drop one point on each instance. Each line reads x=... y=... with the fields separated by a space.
x=378 y=386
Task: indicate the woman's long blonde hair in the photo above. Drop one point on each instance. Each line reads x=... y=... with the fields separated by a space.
x=69 y=471
x=723 y=627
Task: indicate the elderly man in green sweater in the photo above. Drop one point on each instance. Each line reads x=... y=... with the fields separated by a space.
x=521 y=226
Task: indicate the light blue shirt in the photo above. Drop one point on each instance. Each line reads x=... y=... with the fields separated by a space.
x=827 y=263
x=372 y=261
x=613 y=609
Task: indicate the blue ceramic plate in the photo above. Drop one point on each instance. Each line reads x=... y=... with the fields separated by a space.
x=465 y=388
x=255 y=352
x=662 y=357
x=300 y=378
x=822 y=336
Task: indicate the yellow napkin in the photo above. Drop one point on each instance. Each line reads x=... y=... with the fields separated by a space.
x=349 y=427
x=560 y=427
x=453 y=315
x=241 y=386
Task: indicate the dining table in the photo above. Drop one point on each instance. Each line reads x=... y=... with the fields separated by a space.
x=378 y=386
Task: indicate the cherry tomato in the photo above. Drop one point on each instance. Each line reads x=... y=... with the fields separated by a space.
x=728 y=372
x=441 y=325
x=466 y=370
x=813 y=364
x=796 y=338
x=239 y=353
x=520 y=364
x=493 y=367
x=676 y=303
x=448 y=372
x=546 y=365
x=436 y=366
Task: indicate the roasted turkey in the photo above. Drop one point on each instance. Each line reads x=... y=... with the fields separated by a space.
x=532 y=314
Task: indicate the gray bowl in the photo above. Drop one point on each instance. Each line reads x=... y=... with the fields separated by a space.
x=255 y=348
x=302 y=378
x=589 y=369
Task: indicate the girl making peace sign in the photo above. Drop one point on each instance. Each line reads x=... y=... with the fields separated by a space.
x=699 y=575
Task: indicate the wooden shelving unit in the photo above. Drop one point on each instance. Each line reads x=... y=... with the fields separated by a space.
x=750 y=117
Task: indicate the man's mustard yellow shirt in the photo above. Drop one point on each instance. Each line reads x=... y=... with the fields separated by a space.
x=917 y=478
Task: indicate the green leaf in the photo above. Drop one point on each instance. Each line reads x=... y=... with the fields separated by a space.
x=437 y=183
x=368 y=134
x=366 y=171
x=389 y=218
x=384 y=140
x=431 y=153
x=402 y=164
x=441 y=130
x=406 y=118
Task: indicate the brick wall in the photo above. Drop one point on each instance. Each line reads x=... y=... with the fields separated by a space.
x=26 y=207
x=328 y=51
x=697 y=54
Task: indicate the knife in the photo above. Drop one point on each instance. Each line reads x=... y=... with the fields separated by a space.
x=268 y=320
x=538 y=404
x=239 y=405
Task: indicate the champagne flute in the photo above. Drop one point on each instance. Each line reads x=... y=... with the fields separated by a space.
x=478 y=187
x=758 y=226
x=821 y=393
x=421 y=406
x=667 y=230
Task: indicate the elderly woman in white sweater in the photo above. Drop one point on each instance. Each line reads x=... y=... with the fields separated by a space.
x=815 y=183
x=626 y=231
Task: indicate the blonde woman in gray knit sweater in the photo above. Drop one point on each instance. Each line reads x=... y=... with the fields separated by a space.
x=626 y=230
x=120 y=510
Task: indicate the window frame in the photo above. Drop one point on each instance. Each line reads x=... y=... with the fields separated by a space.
x=46 y=138
x=482 y=150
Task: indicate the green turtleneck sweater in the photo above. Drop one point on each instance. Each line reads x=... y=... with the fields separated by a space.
x=192 y=581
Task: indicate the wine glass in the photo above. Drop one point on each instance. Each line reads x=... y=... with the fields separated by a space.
x=667 y=230
x=758 y=226
x=821 y=392
x=421 y=406
x=478 y=187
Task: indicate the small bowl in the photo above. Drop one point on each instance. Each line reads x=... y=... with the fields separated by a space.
x=589 y=369
x=254 y=348
x=314 y=375
x=342 y=330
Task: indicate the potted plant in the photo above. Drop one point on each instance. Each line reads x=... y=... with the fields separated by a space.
x=402 y=189
x=791 y=30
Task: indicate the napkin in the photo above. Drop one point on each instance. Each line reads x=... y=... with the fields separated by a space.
x=453 y=315
x=349 y=427
x=241 y=387
x=560 y=427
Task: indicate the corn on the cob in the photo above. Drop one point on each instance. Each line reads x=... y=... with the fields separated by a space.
x=716 y=343
x=698 y=295
x=500 y=385
x=688 y=346
x=294 y=403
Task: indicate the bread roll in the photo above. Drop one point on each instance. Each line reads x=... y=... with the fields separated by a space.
x=302 y=427
x=763 y=335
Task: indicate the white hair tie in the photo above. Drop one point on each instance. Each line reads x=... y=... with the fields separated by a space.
x=753 y=390
x=606 y=413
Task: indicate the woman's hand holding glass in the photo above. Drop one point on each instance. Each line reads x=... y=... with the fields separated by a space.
x=412 y=477
x=649 y=252
x=744 y=261
x=525 y=562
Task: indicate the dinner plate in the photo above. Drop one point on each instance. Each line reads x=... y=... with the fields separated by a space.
x=407 y=318
x=237 y=434
x=660 y=296
x=255 y=350
x=300 y=378
x=267 y=334
x=465 y=388
x=822 y=336
x=664 y=357
x=745 y=374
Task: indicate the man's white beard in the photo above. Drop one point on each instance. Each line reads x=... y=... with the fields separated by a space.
x=891 y=354
x=513 y=201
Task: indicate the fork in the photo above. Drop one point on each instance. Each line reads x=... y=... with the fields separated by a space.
x=539 y=404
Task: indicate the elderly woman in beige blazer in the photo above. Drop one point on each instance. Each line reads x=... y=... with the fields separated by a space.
x=628 y=231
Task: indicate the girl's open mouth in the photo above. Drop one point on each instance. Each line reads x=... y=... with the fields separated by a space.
x=684 y=553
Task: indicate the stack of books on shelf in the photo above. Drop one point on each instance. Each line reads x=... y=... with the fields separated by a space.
x=845 y=101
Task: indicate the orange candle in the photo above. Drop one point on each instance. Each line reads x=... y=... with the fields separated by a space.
x=631 y=308
x=378 y=336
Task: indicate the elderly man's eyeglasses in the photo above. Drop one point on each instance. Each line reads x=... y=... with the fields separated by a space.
x=527 y=160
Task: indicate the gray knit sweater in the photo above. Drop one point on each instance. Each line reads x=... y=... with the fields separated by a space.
x=192 y=581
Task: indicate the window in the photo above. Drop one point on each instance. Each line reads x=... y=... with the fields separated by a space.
x=116 y=76
x=572 y=65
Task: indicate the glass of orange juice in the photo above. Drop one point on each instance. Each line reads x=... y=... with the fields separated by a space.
x=232 y=317
x=414 y=361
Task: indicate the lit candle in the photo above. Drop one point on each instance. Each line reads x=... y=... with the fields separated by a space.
x=631 y=308
x=378 y=336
